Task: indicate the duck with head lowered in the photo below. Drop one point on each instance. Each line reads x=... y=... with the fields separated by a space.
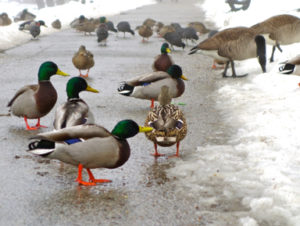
x=75 y=111
x=88 y=146
x=148 y=86
x=36 y=101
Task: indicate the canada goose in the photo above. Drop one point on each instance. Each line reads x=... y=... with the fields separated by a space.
x=239 y=43
x=291 y=66
x=279 y=30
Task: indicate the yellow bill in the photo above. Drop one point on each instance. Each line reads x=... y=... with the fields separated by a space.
x=59 y=72
x=183 y=77
x=88 y=88
x=145 y=129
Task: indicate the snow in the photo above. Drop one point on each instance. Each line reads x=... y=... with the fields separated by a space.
x=257 y=171
x=10 y=36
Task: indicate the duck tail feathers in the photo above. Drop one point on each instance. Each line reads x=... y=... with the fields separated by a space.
x=287 y=69
x=125 y=89
x=41 y=147
x=193 y=50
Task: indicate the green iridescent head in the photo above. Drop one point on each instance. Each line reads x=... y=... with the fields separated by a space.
x=103 y=20
x=77 y=84
x=128 y=128
x=47 y=69
x=165 y=48
x=176 y=72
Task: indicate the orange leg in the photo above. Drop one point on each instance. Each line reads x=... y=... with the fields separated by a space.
x=38 y=125
x=156 y=154
x=79 y=177
x=214 y=66
x=177 y=150
x=92 y=178
x=152 y=103
x=84 y=76
x=27 y=125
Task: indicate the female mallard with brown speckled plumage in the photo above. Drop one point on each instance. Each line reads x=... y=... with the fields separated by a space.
x=168 y=122
x=75 y=111
x=88 y=146
x=145 y=32
x=83 y=60
x=148 y=86
x=163 y=61
x=36 y=101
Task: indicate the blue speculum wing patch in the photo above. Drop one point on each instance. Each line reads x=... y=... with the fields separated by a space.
x=73 y=141
x=146 y=83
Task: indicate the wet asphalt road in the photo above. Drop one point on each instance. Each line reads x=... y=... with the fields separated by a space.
x=35 y=191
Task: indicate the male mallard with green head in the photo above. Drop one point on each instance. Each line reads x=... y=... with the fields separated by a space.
x=75 y=111
x=36 y=101
x=168 y=123
x=163 y=61
x=88 y=146
x=83 y=60
x=148 y=86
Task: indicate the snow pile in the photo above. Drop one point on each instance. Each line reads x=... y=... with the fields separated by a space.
x=10 y=36
x=255 y=176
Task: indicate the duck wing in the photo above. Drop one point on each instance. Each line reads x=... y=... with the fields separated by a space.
x=148 y=78
x=21 y=91
x=80 y=131
x=72 y=113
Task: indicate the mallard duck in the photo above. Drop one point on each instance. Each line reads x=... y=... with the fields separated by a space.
x=124 y=26
x=168 y=122
x=56 y=24
x=148 y=86
x=149 y=22
x=36 y=101
x=75 y=111
x=83 y=60
x=24 y=15
x=87 y=26
x=166 y=29
x=145 y=32
x=163 y=61
x=199 y=27
x=25 y=26
x=88 y=146
x=4 y=19
x=102 y=31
